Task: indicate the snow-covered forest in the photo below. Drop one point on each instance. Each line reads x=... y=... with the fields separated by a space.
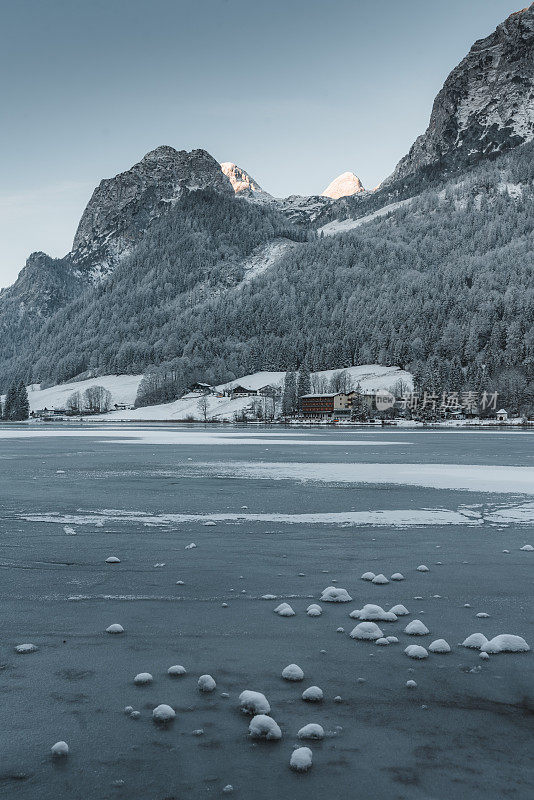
x=442 y=286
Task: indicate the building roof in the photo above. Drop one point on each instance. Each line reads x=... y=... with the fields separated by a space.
x=330 y=394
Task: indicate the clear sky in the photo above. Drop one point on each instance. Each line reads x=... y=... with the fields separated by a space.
x=294 y=91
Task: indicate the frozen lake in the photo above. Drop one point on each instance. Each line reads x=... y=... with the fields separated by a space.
x=289 y=513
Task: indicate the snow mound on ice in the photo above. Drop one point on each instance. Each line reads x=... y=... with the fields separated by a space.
x=423 y=568
x=399 y=610
x=163 y=713
x=382 y=642
x=416 y=651
x=367 y=631
x=333 y=594
x=475 y=641
x=253 y=702
x=301 y=759
x=264 y=727
x=416 y=628
x=311 y=731
x=528 y=547
x=380 y=579
x=28 y=647
x=115 y=628
x=176 y=670
x=371 y=612
x=368 y=576
x=313 y=694
x=506 y=643
x=397 y=576
x=190 y=546
x=206 y=683
x=142 y=678
x=113 y=560
x=284 y=610
x=292 y=673
x=411 y=684
x=60 y=749
x=439 y=646
x=268 y=597
x=314 y=610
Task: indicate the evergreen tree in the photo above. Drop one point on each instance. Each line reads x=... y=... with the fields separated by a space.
x=304 y=381
x=10 y=405
x=289 y=397
x=23 y=405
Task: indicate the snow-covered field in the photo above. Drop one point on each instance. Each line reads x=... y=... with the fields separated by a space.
x=123 y=390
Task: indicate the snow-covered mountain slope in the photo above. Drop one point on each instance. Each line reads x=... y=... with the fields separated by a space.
x=344 y=225
x=344 y=185
x=123 y=390
x=264 y=258
x=486 y=105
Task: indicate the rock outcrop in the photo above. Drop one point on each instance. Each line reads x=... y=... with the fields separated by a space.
x=486 y=105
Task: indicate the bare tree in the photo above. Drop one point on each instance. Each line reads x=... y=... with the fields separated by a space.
x=97 y=400
x=202 y=406
x=74 y=403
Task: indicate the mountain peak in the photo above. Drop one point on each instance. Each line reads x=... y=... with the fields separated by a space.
x=122 y=207
x=242 y=183
x=344 y=185
x=486 y=105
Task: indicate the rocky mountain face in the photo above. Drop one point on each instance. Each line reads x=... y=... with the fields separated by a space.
x=344 y=185
x=122 y=207
x=486 y=105
x=242 y=183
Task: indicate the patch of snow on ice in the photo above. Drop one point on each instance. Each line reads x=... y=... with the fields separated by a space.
x=264 y=727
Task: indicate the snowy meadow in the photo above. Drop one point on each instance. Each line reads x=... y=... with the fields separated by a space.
x=192 y=611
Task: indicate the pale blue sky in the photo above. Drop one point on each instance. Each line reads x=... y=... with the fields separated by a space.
x=294 y=91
